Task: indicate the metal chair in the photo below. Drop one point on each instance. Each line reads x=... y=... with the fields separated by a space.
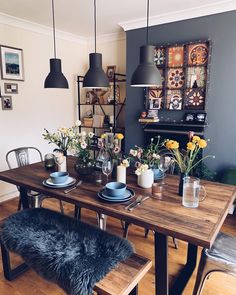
x=221 y=257
x=20 y=157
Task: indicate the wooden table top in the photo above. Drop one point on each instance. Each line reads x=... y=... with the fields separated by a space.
x=197 y=226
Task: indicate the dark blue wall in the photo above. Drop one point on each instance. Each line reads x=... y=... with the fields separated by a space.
x=221 y=101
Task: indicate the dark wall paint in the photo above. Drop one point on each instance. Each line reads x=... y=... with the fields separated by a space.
x=221 y=102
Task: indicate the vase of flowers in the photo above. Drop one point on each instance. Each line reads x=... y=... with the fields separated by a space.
x=186 y=160
x=145 y=176
x=81 y=145
x=111 y=143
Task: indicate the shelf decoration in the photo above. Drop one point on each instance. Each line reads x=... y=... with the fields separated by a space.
x=184 y=70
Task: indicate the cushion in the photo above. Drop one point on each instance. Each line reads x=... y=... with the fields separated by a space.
x=63 y=250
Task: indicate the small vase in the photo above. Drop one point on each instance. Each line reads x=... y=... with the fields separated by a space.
x=146 y=179
x=181 y=183
x=84 y=166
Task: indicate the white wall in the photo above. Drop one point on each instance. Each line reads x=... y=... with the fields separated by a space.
x=36 y=108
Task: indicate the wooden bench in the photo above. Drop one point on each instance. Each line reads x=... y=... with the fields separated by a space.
x=122 y=280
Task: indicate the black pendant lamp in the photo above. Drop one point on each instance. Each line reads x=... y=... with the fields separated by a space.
x=55 y=78
x=95 y=76
x=146 y=74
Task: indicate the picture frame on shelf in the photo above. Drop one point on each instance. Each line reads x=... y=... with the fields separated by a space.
x=189 y=118
x=155 y=104
x=200 y=118
x=11 y=88
x=6 y=103
x=12 y=63
x=110 y=72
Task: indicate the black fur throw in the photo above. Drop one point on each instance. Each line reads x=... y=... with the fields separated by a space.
x=63 y=250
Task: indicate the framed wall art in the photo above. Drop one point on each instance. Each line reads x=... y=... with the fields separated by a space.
x=110 y=72
x=184 y=70
x=6 y=103
x=11 y=88
x=12 y=63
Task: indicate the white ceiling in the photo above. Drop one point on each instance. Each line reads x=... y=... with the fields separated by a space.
x=76 y=16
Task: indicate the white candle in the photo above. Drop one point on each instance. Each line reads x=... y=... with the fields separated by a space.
x=121 y=174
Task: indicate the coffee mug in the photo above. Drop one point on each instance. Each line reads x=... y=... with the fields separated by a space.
x=192 y=191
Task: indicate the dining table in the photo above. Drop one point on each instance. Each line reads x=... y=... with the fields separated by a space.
x=165 y=216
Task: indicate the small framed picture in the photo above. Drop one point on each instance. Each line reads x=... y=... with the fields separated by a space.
x=110 y=72
x=155 y=104
x=12 y=63
x=189 y=118
x=6 y=103
x=11 y=88
x=200 y=118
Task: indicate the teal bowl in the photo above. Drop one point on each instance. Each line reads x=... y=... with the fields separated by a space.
x=59 y=177
x=115 y=189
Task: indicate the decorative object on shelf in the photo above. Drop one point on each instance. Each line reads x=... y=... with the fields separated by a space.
x=146 y=74
x=200 y=118
x=151 y=117
x=155 y=94
x=110 y=72
x=55 y=78
x=176 y=78
x=95 y=76
x=12 y=63
x=11 y=88
x=176 y=56
x=195 y=99
x=110 y=98
x=198 y=54
x=189 y=118
x=143 y=115
x=98 y=121
x=187 y=159
x=183 y=67
x=6 y=103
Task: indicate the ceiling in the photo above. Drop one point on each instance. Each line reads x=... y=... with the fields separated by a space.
x=75 y=16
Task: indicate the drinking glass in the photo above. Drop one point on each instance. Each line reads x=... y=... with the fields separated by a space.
x=49 y=161
x=191 y=192
x=164 y=164
x=107 y=168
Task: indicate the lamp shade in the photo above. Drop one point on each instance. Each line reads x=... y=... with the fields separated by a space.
x=55 y=78
x=146 y=74
x=95 y=77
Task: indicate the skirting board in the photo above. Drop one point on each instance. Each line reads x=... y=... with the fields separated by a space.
x=8 y=196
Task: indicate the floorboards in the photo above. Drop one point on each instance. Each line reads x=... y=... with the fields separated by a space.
x=31 y=284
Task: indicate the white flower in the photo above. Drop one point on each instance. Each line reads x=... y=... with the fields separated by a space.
x=156 y=156
x=83 y=145
x=78 y=123
x=133 y=153
x=125 y=163
x=141 y=169
x=91 y=134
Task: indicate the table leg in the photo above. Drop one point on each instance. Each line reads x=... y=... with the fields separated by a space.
x=24 y=197
x=161 y=264
x=183 y=278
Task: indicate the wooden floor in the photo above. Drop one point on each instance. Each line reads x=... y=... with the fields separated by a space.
x=31 y=284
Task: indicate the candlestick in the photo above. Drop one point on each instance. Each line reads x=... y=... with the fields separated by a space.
x=121 y=174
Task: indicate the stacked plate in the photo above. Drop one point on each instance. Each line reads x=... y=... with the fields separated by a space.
x=128 y=194
x=70 y=181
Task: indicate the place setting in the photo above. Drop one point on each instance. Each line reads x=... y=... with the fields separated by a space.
x=59 y=180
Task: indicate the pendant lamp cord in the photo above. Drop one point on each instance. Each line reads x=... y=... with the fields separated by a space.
x=95 y=25
x=147 y=40
x=54 y=31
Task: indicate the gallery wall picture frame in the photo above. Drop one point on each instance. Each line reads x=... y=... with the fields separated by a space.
x=110 y=72
x=6 y=103
x=11 y=88
x=12 y=67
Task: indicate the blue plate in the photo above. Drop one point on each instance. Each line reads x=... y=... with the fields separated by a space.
x=129 y=194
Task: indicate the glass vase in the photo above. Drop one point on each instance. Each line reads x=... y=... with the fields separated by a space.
x=84 y=166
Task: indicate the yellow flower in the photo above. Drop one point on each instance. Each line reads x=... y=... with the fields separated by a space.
x=195 y=139
x=172 y=144
x=191 y=146
x=103 y=136
x=119 y=136
x=202 y=143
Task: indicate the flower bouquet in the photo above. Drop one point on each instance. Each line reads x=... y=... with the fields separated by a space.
x=187 y=159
